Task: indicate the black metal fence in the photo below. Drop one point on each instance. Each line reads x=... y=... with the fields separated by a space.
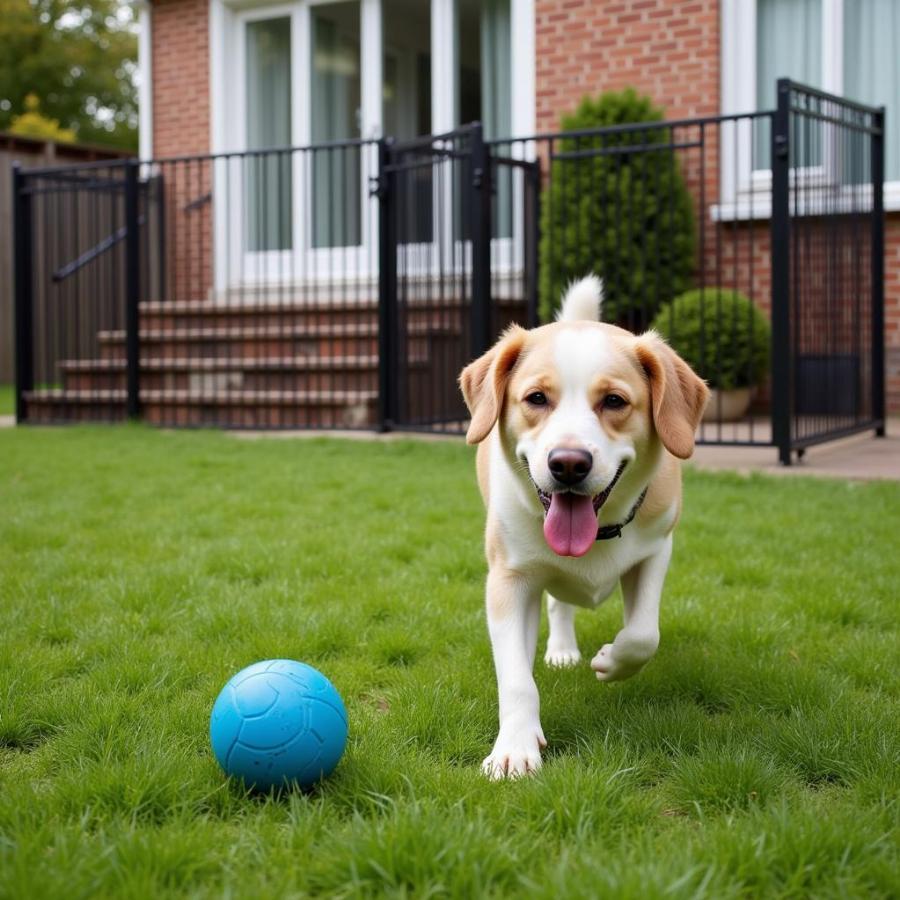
x=345 y=285
x=827 y=268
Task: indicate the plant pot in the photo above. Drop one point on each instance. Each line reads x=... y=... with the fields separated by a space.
x=727 y=406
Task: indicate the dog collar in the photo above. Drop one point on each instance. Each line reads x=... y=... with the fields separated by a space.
x=606 y=532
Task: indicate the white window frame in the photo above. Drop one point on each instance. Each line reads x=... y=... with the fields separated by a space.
x=749 y=197
x=227 y=103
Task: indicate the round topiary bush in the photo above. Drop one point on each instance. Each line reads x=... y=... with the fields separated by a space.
x=720 y=333
x=625 y=215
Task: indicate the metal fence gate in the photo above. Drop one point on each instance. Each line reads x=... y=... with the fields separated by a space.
x=451 y=277
x=89 y=243
x=827 y=269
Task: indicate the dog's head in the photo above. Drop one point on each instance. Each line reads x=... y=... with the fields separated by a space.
x=579 y=406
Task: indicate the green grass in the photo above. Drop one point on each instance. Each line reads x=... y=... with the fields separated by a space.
x=7 y=400
x=756 y=756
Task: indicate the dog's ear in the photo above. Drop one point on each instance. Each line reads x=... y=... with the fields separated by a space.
x=484 y=381
x=677 y=395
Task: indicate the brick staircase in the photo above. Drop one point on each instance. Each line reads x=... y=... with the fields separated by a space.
x=258 y=366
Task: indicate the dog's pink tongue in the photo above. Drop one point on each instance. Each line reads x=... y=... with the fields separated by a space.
x=571 y=524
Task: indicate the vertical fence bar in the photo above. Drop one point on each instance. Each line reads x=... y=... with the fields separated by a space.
x=24 y=289
x=132 y=289
x=480 y=222
x=532 y=182
x=159 y=189
x=387 y=290
x=782 y=389
x=877 y=276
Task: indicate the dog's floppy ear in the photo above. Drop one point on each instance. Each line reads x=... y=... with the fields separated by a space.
x=484 y=381
x=677 y=395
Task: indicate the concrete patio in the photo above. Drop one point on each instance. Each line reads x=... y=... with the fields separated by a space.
x=861 y=457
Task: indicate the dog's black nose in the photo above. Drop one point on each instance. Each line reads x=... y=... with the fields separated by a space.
x=569 y=467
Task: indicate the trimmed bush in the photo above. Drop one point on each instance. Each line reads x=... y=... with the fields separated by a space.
x=720 y=333
x=625 y=216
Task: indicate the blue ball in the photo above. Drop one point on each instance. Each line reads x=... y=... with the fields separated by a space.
x=278 y=722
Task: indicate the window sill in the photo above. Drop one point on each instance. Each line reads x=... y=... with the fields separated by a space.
x=753 y=207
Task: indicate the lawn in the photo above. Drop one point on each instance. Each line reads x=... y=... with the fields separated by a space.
x=757 y=755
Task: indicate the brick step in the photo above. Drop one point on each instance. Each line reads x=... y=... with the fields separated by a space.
x=203 y=374
x=196 y=314
x=255 y=343
x=199 y=314
x=221 y=409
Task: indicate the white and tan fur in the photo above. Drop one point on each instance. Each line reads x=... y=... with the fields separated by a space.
x=576 y=363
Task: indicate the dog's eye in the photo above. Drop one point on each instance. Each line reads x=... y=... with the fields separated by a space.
x=536 y=399
x=614 y=401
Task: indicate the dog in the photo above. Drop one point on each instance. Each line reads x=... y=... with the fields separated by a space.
x=580 y=428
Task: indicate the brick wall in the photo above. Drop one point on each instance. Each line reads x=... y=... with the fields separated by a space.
x=181 y=126
x=180 y=77
x=668 y=49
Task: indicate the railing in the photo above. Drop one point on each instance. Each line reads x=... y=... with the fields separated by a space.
x=345 y=284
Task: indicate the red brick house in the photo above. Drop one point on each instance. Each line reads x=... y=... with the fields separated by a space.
x=225 y=75
x=290 y=251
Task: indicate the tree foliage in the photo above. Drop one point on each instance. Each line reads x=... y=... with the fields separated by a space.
x=78 y=59
x=32 y=123
x=622 y=213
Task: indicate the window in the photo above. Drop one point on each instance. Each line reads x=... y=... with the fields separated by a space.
x=339 y=73
x=846 y=47
x=788 y=44
x=871 y=57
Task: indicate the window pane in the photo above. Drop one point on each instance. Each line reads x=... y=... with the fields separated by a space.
x=406 y=89
x=268 y=176
x=872 y=66
x=484 y=88
x=788 y=45
x=496 y=69
x=335 y=116
x=406 y=105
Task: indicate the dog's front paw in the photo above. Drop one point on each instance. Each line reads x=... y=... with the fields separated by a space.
x=562 y=657
x=616 y=663
x=516 y=752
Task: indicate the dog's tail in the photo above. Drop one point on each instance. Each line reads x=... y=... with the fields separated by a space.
x=582 y=301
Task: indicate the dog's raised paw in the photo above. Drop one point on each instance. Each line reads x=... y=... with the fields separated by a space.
x=609 y=665
x=562 y=657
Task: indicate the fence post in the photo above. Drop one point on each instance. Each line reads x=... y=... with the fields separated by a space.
x=877 y=275
x=132 y=289
x=23 y=274
x=480 y=213
x=387 y=289
x=782 y=363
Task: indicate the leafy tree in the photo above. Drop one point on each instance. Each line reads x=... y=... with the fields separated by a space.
x=622 y=213
x=33 y=124
x=78 y=59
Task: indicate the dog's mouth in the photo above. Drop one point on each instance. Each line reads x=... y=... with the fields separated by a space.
x=570 y=519
x=597 y=500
